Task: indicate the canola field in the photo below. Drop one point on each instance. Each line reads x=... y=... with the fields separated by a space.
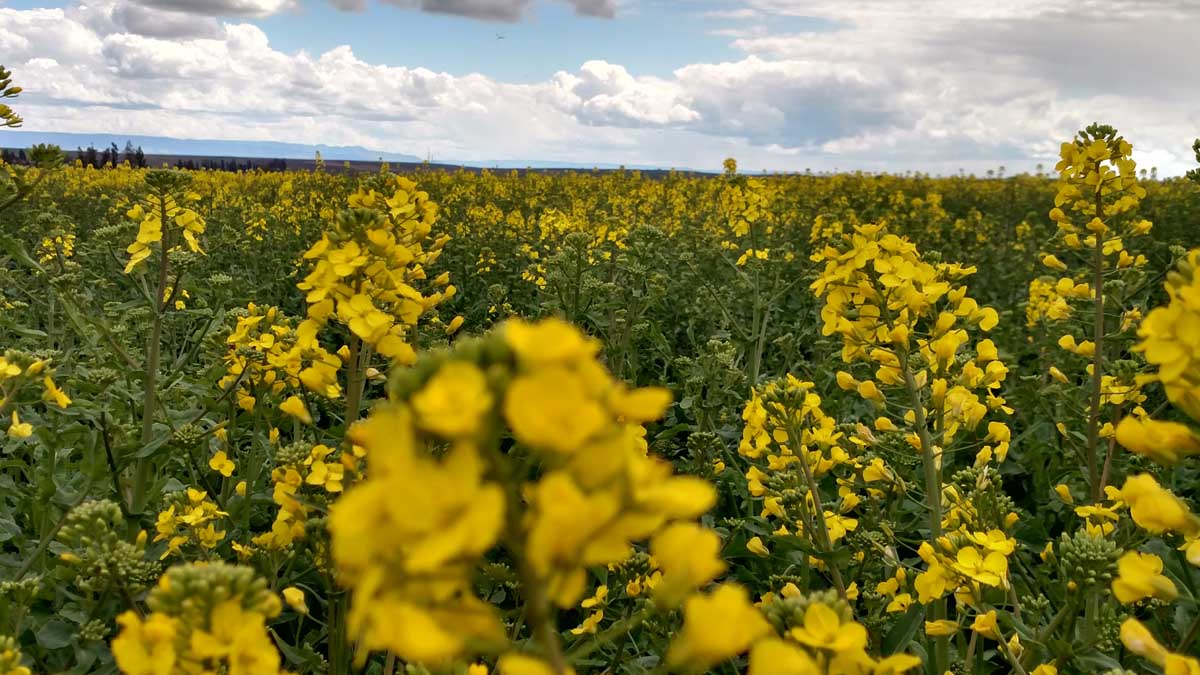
x=536 y=424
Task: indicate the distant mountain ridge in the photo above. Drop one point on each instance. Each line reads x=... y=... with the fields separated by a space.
x=165 y=145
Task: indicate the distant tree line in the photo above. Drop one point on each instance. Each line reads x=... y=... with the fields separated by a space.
x=111 y=156
x=222 y=164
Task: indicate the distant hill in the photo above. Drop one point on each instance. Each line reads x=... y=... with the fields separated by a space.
x=167 y=147
x=163 y=145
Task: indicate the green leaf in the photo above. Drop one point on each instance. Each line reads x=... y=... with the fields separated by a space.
x=901 y=634
x=55 y=634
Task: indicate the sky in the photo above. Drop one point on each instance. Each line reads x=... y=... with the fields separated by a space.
x=936 y=86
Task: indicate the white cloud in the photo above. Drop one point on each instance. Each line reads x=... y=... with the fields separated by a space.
x=249 y=8
x=961 y=83
x=486 y=10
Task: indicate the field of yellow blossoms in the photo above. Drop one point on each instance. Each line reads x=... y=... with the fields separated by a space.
x=538 y=424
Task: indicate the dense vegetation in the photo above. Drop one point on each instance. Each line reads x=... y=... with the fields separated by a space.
x=598 y=422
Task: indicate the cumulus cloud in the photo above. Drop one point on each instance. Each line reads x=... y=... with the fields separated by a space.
x=249 y=8
x=876 y=84
x=486 y=10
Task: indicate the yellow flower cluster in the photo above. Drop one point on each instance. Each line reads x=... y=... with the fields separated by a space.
x=410 y=562
x=270 y=354
x=159 y=211
x=823 y=639
x=911 y=318
x=10 y=656
x=316 y=469
x=190 y=517
x=784 y=421
x=362 y=270
x=16 y=370
x=1171 y=337
x=205 y=619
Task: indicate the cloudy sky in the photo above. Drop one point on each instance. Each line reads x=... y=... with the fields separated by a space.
x=930 y=85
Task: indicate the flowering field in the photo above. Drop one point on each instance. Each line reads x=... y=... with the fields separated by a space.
x=324 y=422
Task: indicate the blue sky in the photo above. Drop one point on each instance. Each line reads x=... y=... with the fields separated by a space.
x=896 y=85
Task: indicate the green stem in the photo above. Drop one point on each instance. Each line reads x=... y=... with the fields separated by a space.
x=940 y=655
x=1093 y=448
x=144 y=467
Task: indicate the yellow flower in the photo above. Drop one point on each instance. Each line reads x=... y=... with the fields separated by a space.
x=548 y=342
x=1140 y=576
x=294 y=597
x=985 y=625
x=514 y=663
x=716 y=627
x=222 y=464
x=1045 y=669
x=53 y=394
x=1052 y=261
x=481 y=669
x=941 y=627
x=989 y=570
x=295 y=407
x=1138 y=639
x=1156 y=509
x=454 y=401
x=772 y=656
x=639 y=405
x=689 y=556
x=550 y=409
x=1163 y=442
x=145 y=647
x=19 y=429
x=756 y=546
x=590 y=625
x=1064 y=493
x=455 y=324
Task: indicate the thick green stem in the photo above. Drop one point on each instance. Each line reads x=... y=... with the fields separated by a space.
x=145 y=466
x=822 y=528
x=1094 y=476
x=940 y=655
x=355 y=380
